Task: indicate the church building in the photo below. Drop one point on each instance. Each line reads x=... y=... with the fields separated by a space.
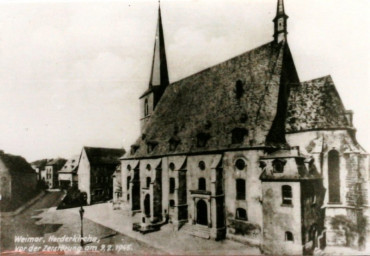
x=269 y=160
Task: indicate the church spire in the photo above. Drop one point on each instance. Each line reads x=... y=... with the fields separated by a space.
x=159 y=72
x=280 y=23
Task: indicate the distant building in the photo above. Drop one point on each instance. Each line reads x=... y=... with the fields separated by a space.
x=51 y=171
x=39 y=167
x=18 y=181
x=245 y=150
x=67 y=175
x=117 y=187
x=95 y=170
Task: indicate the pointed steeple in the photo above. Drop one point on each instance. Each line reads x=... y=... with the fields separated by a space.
x=280 y=23
x=159 y=72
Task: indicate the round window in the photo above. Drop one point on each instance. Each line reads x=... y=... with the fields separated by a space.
x=148 y=167
x=202 y=165
x=171 y=166
x=240 y=164
x=129 y=167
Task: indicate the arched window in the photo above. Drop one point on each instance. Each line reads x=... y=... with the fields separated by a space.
x=146 y=107
x=286 y=192
x=289 y=236
x=202 y=139
x=148 y=181
x=128 y=182
x=333 y=174
x=278 y=165
x=240 y=189
x=172 y=185
x=171 y=166
x=172 y=203
x=202 y=184
x=241 y=214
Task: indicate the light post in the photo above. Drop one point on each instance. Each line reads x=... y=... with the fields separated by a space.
x=83 y=197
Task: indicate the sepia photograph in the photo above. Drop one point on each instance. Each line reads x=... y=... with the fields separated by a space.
x=184 y=127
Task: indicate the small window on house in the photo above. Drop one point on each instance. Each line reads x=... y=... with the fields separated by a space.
x=172 y=185
x=239 y=89
x=202 y=184
x=241 y=214
x=240 y=164
x=151 y=146
x=289 y=236
x=278 y=165
x=286 y=194
x=238 y=134
x=148 y=181
x=134 y=148
x=171 y=166
x=172 y=203
x=202 y=165
x=240 y=189
x=202 y=139
x=174 y=142
x=129 y=167
x=148 y=167
x=146 y=107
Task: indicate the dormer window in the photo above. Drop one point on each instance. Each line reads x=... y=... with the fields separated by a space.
x=174 y=142
x=134 y=148
x=202 y=139
x=278 y=165
x=238 y=135
x=151 y=146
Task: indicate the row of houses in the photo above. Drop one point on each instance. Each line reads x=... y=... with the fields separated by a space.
x=91 y=171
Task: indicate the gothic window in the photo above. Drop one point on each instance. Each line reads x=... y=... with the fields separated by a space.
x=202 y=184
x=278 y=165
x=240 y=164
x=241 y=214
x=148 y=181
x=202 y=139
x=239 y=89
x=129 y=167
x=202 y=165
x=172 y=185
x=333 y=173
x=151 y=146
x=286 y=194
x=148 y=167
x=146 y=108
x=134 y=148
x=289 y=236
x=240 y=189
x=238 y=134
x=128 y=182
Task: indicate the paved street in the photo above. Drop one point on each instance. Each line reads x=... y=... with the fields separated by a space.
x=43 y=220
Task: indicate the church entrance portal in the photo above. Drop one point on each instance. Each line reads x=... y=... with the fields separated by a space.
x=202 y=213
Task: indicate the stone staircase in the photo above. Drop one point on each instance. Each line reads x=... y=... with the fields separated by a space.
x=196 y=230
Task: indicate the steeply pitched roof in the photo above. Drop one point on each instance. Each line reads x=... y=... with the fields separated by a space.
x=57 y=163
x=315 y=105
x=16 y=164
x=104 y=156
x=40 y=163
x=71 y=165
x=207 y=104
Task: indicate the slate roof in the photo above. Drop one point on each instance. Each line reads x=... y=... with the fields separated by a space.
x=57 y=163
x=206 y=103
x=315 y=104
x=16 y=164
x=104 y=156
x=71 y=165
x=40 y=163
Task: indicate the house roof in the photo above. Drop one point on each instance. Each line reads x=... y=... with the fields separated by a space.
x=71 y=165
x=206 y=104
x=57 y=163
x=315 y=104
x=40 y=163
x=104 y=156
x=16 y=164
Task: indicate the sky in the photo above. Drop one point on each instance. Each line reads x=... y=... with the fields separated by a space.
x=71 y=72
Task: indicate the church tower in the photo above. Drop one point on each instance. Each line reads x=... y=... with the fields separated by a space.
x=280 y=23
x=158 y=76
